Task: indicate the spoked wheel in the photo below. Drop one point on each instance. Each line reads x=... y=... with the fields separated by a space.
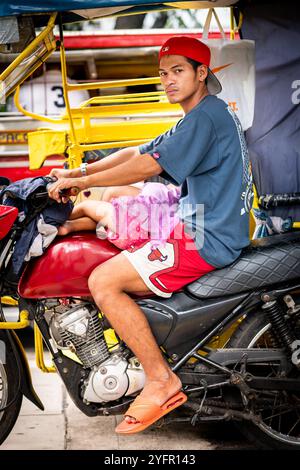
x=10 y=394
x=278 y=426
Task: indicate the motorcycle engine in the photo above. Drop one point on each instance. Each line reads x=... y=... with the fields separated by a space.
x=79 y=329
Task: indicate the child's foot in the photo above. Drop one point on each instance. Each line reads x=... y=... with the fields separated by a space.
x=64 y=229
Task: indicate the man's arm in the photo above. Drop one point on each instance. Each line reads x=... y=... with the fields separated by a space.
x=111 y=161
x=130 y=171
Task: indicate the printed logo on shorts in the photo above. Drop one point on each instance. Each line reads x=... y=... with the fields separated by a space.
x=156 y=254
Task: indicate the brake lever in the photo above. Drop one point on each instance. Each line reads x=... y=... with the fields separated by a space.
x=41 y=195
x=62 y=192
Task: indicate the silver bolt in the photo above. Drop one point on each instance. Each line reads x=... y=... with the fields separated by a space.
x=265 y=298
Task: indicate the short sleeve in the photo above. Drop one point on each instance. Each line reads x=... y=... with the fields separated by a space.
x=182 y=153
x=149 y=146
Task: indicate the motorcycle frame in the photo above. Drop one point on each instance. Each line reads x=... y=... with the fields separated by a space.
x=70 y=371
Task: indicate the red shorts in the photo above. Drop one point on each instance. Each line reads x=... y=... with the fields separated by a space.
x=170 y=266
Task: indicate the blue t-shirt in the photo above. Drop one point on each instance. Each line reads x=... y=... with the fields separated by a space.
x=206 y=152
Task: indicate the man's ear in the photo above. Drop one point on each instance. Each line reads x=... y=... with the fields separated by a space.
x=202 y=72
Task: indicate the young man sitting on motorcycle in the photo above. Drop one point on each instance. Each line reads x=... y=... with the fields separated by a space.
x=205 y=152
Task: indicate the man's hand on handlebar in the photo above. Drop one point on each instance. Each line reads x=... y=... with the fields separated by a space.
x=60 y=173
x=63 y=188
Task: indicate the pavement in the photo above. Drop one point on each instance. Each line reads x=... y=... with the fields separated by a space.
x=61 y=426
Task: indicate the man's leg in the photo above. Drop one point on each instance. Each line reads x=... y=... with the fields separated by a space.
x=110 y=284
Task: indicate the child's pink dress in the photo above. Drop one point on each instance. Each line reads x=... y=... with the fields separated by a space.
x=149 y=216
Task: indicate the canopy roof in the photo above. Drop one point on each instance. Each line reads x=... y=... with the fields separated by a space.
x=77 y=10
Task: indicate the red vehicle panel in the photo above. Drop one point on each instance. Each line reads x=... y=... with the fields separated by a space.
x=63 y=270
x=7 y=217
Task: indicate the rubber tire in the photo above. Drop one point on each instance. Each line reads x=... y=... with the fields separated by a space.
x=241 y=339
x=9 y=416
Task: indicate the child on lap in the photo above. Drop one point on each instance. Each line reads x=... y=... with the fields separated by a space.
x=137 y=214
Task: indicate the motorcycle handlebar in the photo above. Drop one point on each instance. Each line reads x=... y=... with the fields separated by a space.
x=74 y=191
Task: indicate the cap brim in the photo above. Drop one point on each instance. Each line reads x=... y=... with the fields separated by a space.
x=213 y=85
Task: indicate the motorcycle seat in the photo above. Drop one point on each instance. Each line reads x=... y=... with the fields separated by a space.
x=267 y=261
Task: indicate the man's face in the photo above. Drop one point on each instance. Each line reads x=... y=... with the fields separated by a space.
x=179 y=79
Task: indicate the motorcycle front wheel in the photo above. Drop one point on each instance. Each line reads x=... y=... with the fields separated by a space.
x=279 y=411
x=10 y=393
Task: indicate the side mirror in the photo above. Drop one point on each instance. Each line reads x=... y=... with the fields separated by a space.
x=4 y=182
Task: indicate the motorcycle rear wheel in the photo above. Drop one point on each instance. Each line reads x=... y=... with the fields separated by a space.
x=280 y=425
x=9 y=388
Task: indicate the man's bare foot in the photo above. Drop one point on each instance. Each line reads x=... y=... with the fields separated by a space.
x=159 y=391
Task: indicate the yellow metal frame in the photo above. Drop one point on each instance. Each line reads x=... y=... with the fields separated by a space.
x=39 y=352
x=234 y=29
x=38 y=339
x=79 y=134
x=16 y=325
x=43 y=36
x=6 y=300
x=140 y=114
x=77 y=147
x=27 y=113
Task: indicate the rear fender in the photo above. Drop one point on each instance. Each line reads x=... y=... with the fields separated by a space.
x=23 y=366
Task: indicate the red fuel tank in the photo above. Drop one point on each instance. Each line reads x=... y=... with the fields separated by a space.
x=63 y=270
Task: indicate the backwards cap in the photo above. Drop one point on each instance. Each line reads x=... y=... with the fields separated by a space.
x=193 y=49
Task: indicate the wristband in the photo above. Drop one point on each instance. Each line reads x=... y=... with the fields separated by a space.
x=83 y=169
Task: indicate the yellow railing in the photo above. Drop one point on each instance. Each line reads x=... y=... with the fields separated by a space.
x=16 y=325
x=39 y=352
x=80 y=129
x=31 y=58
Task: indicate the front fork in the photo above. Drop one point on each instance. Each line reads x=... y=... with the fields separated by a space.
x=21 y=359
x=26 y=386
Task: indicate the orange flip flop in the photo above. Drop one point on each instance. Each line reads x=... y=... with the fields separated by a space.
x=146 y=413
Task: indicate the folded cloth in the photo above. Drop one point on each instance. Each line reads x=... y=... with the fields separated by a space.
x=46 y=234
x=269 y=225
x=21 y=194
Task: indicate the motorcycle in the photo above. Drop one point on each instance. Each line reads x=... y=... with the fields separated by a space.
x=253 y=379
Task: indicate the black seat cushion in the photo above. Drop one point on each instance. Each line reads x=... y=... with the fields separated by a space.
x=265 y=262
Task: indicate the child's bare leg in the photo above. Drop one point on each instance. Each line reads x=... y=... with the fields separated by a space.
x=81 y=210
x=86 y=215
x=83 y=223
x=93 y=209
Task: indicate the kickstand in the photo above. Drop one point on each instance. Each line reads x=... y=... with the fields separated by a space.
x=198 y=412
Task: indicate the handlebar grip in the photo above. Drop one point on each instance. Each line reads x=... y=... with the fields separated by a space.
x=74 y=191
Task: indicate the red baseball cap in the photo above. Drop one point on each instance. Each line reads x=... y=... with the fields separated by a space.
x=193 y=49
